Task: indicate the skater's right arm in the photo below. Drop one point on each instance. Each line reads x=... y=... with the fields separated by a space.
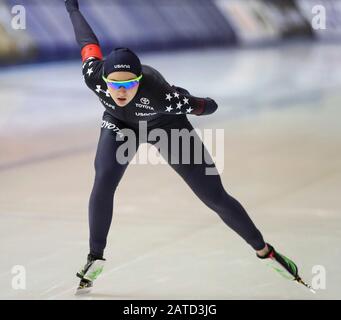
x=85 y=37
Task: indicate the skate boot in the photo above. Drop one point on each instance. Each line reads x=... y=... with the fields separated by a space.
x=283 y=265
x=92 y=269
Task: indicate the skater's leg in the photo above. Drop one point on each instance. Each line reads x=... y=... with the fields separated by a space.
x=210 y=190
x=108 y=175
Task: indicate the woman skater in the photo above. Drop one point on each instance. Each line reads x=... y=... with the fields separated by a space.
x=132 y=93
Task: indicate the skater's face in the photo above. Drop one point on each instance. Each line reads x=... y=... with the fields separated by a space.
x=122 y=96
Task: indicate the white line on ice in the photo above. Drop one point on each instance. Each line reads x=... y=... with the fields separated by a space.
x=52 y=288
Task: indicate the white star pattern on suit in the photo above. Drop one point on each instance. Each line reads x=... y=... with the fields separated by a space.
x=89 y=72
x=181 y=102
x=169 y=109
x=86 y=63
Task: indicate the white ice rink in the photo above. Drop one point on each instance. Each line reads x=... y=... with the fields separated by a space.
x=280 y=109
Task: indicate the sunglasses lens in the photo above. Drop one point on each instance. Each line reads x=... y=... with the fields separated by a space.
x=132 y=84
x=113 y=85
x=125 y=85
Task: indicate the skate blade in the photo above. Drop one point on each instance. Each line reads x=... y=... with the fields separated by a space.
x=83 y=291
x=307 y=286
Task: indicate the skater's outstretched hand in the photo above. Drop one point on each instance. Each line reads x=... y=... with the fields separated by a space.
x=71 y=5
x=210 y=106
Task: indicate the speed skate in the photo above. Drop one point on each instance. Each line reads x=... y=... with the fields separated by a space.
x=89 y=274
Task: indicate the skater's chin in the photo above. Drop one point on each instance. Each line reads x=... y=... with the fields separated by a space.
x=121 y=102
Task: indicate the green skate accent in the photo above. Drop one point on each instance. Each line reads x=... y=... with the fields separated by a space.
x=93 y=275
x=283 y=272
x=290 y=264
x=286 y=268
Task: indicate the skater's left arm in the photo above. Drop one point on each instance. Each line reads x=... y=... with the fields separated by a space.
x=176 y=100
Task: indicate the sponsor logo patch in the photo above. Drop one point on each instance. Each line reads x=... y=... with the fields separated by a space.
x=122 y=66
x=144 y=101
x=143 y=106
x=144 y=114
x=111 y=126
x=107 y=104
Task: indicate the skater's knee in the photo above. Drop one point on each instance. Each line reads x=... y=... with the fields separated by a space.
x=107 y=176
x=221 y=202
x=215 y=199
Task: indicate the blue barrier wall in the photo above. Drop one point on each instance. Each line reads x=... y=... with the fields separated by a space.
x=141 y=25
x=160 y=25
